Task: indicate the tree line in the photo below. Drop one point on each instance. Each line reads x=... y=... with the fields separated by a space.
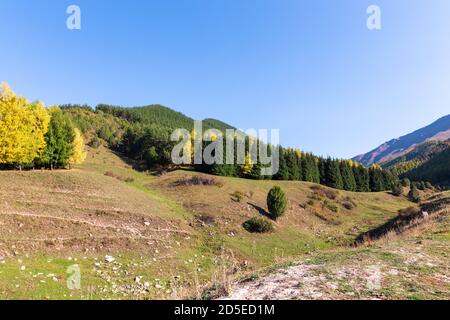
x=295 y=165
x=143 y=134
x=32 y=136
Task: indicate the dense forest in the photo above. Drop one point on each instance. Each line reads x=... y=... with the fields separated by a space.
x=436 y=170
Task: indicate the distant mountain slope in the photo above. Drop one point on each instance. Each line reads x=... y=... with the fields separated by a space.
x=436 y=170
x=419 y=155
x=438 y=130
x=162 y=116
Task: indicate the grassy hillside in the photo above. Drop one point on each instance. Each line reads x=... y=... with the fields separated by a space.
x=169 y=237
x=411 y=266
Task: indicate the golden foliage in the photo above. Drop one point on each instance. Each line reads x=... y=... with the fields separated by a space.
x=22 y=128
x=247 y=167
x=78 y=155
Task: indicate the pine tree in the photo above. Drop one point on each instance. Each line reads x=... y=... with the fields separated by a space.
x=376 y=179
x=292 y=165
x=362 y=178
x=59 y=140
x=283 y=172
x=276 y=202
x=333 y=174
x=316 y=171
x=348 y=179
x=322 y=171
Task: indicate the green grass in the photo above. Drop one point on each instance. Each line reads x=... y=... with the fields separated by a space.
x=198 y=257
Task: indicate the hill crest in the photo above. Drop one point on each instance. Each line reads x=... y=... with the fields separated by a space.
x=437 y=131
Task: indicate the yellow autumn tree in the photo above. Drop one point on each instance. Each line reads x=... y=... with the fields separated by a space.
x=22 y=128
x=247 y=167
x=78 y=155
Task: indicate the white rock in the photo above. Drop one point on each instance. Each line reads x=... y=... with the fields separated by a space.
x=22 y=268
x=109 y=259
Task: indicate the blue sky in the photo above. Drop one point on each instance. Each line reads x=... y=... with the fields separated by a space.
x=310 y=68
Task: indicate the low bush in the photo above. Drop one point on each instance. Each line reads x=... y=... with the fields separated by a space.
x=123 y=179
x=397 y=189
x=237 y=196
x=325 y=192
x=348 y=205
x=331 y=206
x=95 y=142
x=199 y=180
x=258 y=225
x=408 y=212
x=414 y=195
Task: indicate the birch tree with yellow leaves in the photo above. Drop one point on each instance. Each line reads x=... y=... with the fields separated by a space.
x=78 y=155
x=22 y=128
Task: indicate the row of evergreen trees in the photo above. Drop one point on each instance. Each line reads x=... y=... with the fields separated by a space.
x=143 y=134
x=295 y=165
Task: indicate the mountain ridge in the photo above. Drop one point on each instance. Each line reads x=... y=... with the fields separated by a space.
x=436 y=131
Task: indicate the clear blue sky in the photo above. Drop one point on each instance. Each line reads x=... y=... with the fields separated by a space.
x=310 y=68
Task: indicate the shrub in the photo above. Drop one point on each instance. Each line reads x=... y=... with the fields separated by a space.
x=397 y=189
x=331 y=206
x=110 y=174
x=408 y=212
x=199 y=181
x=348 y=205
x=414 y=195
x=325 y=192
x=406 y=183
x=428 y=185
x=349 y=202
x=95 y=142
x=421 y=185
x=237 y=196
x=123 y=179
x=276 y=202
x=258 y=225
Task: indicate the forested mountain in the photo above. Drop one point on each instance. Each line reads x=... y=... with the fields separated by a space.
x=419 y=155
x=437 y=131
x=436 y=170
